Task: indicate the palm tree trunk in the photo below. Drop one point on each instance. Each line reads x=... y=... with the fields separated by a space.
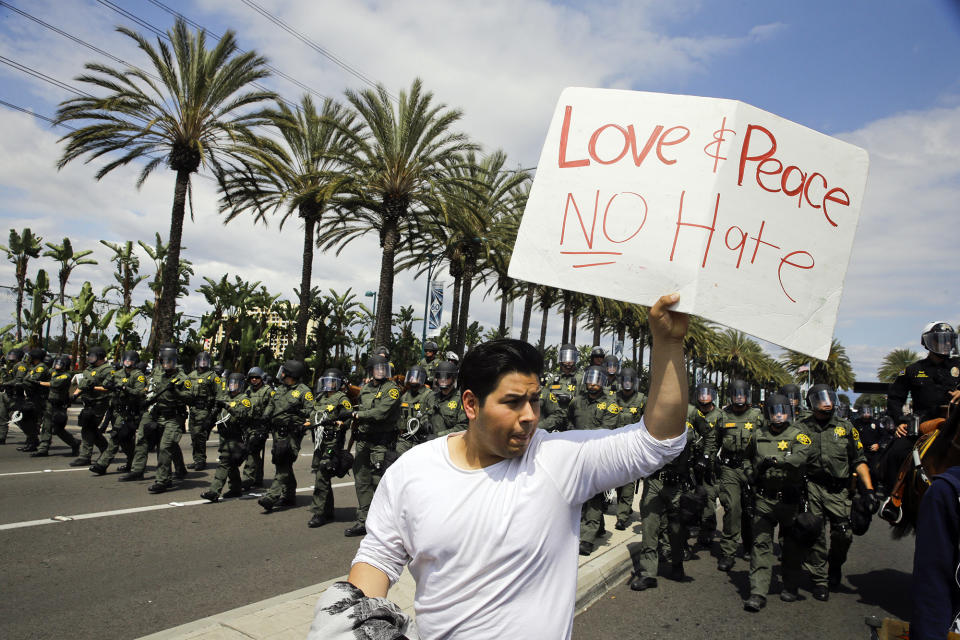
x=467 y=285
x=167 y=306
x=543 y=327
x=573 y=327
x=455 y=312
x=391 y=237
x=63 y=317
x=597 y=327
x=306 y=272
x=21 y=284
x=527 y=312
x=565 y=334
x=503 y=307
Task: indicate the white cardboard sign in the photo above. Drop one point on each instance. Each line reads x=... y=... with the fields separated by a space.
x=749 y=216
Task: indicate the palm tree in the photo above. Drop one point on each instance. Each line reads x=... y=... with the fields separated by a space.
x=399 y=162
x=84 y=318
x=895 y=362
x=302 y=176
x=192 y=117
x=21 y=247
x=127 y=275
x=69 y=260
x=160 y=254
x=835 y=371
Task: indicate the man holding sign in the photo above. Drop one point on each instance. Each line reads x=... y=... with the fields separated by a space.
x=487 y=519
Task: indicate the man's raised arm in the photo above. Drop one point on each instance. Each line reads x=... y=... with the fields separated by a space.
x=666 y=411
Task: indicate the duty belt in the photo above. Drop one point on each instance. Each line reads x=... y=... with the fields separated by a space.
x=668 y=477
x=830 y=483
x=731 y=460
x=378 y=438
x=786 y=495
x=167 y=412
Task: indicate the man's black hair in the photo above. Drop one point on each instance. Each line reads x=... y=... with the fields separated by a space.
x=484 y=365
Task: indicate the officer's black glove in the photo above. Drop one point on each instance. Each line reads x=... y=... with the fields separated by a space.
x=870 y=500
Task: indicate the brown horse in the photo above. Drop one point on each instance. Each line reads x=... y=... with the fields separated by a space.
x=934 y=453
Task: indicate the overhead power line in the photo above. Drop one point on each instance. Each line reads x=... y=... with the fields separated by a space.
x=42 y=76
x=272 y=68
x=313 y=45
x=15 y=107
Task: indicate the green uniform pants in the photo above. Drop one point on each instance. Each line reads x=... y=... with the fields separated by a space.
x=659 y=503
x=201 y=424
x=231 y=455
x=284 y=487
x=30 y=423
x=168 y=452
x=115 y=444
x=591 y=519
x=5 y=408
x=625 y=501
x=771 y=513
x=731 y=485
x=369 y=464
x=253 y=467
x=322 y=488
x=90 y=436
x=708 y=521
x=834 y=508
x=55 y=422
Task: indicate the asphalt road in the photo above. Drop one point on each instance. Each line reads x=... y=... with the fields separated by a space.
x=130 y=574
x=876 y=581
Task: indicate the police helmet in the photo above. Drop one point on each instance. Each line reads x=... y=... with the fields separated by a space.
x=597 y=352
x=380 y=367
x=130 y=359
x=331 y=380
x=792 y=391
x=822 y=398
x=256 y=372
x=95 y=354
x=594 y=376
x=203 y=361
x=939 y=338
x=292 y=368
x=628 y=379
x=37 y=354
x=167 y=356
x=382 y=351
x=778 y=409
x=15 y=355
x=430 y=345
x=706 y=394
x=62 y=362
x=739 y=392
x=236 y=382
x=416 y=376
x=611 y=365
x=446 y=375
x=568 y=355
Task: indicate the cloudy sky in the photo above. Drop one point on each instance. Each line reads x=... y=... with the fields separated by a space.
x=880 y=74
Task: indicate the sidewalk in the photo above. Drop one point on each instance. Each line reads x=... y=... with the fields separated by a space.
x=288 y=616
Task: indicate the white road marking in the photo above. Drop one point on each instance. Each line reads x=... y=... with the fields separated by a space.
x=26 y=473
x=119 y=512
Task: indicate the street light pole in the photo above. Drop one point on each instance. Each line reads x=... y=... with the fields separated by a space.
x=432 y=260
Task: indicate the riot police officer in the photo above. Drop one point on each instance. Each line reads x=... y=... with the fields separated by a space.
x=836 y=453
x=611 y=367
x=233 y=422
x=630 y=403
x=95 y=397
x=779 y=455
x=444 y=407
x=259 y=394
x=871 y=433
x=288 y=413
x=11 y=397
x=375 y=436
x=331 y=421
x=559 y=388
x=35 y=398
x=734 y=436
x=704 y=418
x=129 y=390
x=206 y=388
x=430 y=362
x=414 y=425
x=55 y=413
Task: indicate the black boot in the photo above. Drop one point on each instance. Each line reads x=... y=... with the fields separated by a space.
x=210 y=495
x=267 y=503
x=317 y=521
x=97 y=469
x=158 y=487
x=833 y=576
x=356 y=530
x=39 y=454
x=754 y=603
x=639 y=583
x=725 y=563
x=133 y=475
x=80 y=462
x=28 y=448
x=821 y=593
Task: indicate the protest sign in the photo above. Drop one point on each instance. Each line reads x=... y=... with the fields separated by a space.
x=749 y=216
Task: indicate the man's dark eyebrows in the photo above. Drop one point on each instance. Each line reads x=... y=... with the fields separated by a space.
x=510 y=396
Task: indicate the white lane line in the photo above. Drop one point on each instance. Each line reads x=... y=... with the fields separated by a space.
x=26 y=473
x=120 y=512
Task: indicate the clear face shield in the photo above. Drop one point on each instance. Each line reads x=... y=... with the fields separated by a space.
x=842 y=411
x=866 y=411
x=329 y=383
x=168 y=360
x=445 y=380
x=567 y=358
x=92 y=358
x=61 y=364
x=940 y=342
x=235 y=385
x=129 y=363
x=416 y=377
x=382 y=370
x=628 y=382
x=705 y=395
x=780 y=413
x=738 y=396
x=12 y=357
x=594 y=379
x=824 y=401
x=204 y=361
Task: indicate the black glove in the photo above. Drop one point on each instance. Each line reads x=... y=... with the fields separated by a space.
x=869 y=500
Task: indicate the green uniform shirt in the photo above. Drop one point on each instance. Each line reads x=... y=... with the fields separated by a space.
x=59 y=396
x=734 y=437
x=415 y=406
x=705 y=425
x=380 y=407
x=593 y=413
x=169 y=394
x=95 y=377
x=35 y=392
x=131 y=390
x=836 y=446
x=333 y=407
x=289 y=409
x=259 y=398
x=431 y=368
x=206 y=387
x=446 y=413
x=558 y=390
x=235 y=417
x=631 y=408
x=791 y=448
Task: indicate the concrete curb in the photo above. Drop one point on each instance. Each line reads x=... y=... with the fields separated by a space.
x=288 y=616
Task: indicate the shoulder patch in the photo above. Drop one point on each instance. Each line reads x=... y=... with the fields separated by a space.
x=141 y=379
x=346 y=405
x=40 y=369
x=553 y=398
x=856 y=434
x=613 y=408
x=803 y=438
x=394 y=393
x=187 y=384
x=272 y=393
x=840 y=431
x=309 y=396
x=245 y=402
x=295 y=393
x=216 y=379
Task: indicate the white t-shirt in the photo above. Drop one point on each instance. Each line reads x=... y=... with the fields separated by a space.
x=493 y=551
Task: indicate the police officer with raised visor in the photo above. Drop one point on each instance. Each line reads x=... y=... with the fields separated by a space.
x=129 y=390
x=734 y=436
x=430 y=362
x=55 y=413
x=444 y=405
x=287 y=415
x=375 y=435
x=836 y=453
x=779 y=456
x=331 y=420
